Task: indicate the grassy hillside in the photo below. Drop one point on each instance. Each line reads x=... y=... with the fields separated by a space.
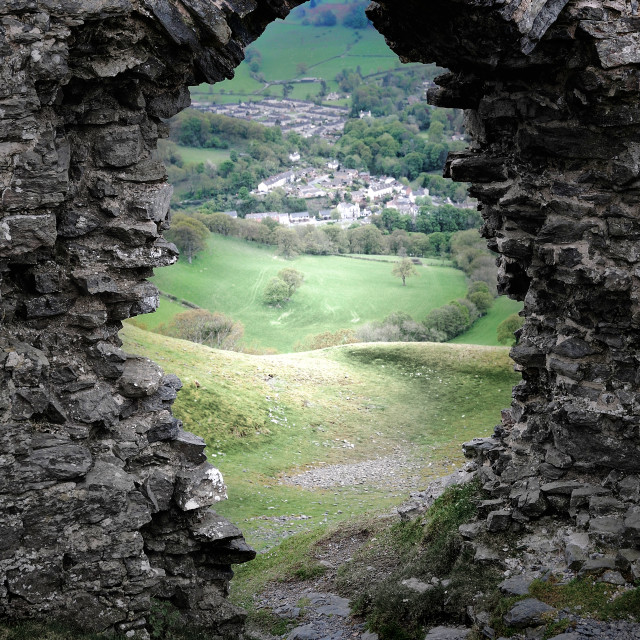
x=263 y=416
x=286 y=44
x=337 y=293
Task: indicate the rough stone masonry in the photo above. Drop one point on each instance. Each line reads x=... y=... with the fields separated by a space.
x=105 y=500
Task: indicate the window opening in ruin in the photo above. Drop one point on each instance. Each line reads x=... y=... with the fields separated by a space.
x=310 y=211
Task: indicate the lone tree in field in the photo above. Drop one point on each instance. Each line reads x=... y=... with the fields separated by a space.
x=404 y=269
x=189 y=235
x=292 y=277
x=204 y=327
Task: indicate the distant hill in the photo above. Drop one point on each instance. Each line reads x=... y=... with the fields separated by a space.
x=295 y=48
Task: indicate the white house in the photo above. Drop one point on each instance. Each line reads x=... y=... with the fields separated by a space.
x=294 y=157
x=276 y=181
x=282 y=218
x=299 y=217
x=333 y=165
x=348 y=210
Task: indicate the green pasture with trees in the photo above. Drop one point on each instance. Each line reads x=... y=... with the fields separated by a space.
x=337 y=293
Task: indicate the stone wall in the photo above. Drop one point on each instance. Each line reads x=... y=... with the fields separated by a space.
x=552 y=90
x=104 y=499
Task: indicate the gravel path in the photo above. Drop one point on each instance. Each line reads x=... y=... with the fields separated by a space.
x=399 y=470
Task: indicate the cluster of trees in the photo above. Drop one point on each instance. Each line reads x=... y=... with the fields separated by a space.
x=280 y=288
x=189 y=233
x=469 y=252
x=449 y=321
x=387 y=146
x=430 y=219
x=440 y=325
x=319 y=16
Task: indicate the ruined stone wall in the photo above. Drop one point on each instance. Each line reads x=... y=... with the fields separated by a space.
x=552 y=93
x=104 y=499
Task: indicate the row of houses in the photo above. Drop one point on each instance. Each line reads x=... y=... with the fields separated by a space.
x=309 y=183
x=300 y=116
x=345 y=210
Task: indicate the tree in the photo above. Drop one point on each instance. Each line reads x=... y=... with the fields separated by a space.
x=276 y=292
x=204 y=327
x=288 y=243
x=292 y=277
x=482 y=299
x=219 y=223
x=325 y=19
x=404 y=269
x=189 y=235
x=507 y=328
x=356 y=18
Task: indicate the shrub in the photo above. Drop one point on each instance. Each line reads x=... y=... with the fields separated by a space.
x=215 y=330
x=276 y=292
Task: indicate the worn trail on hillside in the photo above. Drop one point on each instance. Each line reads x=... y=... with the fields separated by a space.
x=399 y=471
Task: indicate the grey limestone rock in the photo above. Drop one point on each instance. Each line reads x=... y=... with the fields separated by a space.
x=447 y=633
x=527 y=613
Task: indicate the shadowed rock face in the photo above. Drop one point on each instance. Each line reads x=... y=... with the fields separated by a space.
x=104 y=498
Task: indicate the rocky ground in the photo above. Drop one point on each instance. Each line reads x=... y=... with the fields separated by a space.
x=312 y=610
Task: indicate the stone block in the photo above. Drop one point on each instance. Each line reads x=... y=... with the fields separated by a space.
x=141 y=377
x=528 y=613
x=199 y=487
x=499 y=520
x=26 y=233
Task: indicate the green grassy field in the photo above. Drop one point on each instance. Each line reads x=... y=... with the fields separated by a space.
x=287 y=44
x=337 y=293
x=193 y=155
x=267 y=415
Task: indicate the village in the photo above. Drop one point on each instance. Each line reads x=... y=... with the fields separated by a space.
x=354 y=195
x=292 y=116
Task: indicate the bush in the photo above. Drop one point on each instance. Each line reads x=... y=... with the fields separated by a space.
x=276 y=292
x=215 y=330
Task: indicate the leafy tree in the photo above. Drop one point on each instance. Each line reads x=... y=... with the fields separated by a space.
x=366 y=239
x=507 y=328
x=276 y=292
x=325 y=18
x=404 y=269
x=292 y=277
x=189 y=235
x=356 y=18
x=288 y=243
x=204 y=327
x=219 y=223
x=482 y=299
